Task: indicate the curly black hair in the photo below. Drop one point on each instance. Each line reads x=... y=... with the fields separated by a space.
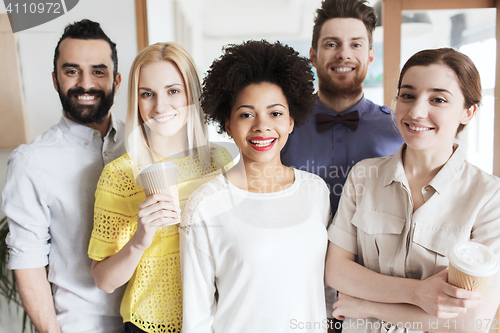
x=255 y=62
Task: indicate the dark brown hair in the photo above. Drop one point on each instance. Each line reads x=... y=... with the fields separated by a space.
x=357 y=9
x=86 y=30
x=465 y=70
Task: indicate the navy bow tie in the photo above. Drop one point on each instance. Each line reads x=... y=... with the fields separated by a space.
x=325 y=121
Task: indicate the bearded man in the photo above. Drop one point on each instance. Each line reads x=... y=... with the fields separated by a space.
x=49 y=192
x=345 y=127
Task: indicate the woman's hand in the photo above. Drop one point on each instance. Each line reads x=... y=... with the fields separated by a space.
x=351 y=307
x=440 y=299
x=156 y=211
x=116 y=270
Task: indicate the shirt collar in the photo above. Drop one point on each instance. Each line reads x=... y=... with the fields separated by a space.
x=445 y=176
x=395 y=171
x=113 y=129
x=84 y=134
x=359 y=106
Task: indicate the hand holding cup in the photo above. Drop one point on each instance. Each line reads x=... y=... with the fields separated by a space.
x=156 y=211
x=472 y=265
x=160 y=178
x=161 y=206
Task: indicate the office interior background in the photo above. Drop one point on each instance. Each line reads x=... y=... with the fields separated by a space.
x=203 y=27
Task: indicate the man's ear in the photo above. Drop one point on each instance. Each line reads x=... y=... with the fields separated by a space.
x=117 y=81
x=54 y=81
x=312 y=56
x=371 y=57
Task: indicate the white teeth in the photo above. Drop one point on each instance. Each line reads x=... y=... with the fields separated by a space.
x=262 y=143
x=162 y=120
x=418 y=129
x=343 y=69
x=86 y=97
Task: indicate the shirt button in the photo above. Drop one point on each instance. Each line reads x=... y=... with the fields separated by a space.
x=96 y=133
x=105 y=154
x=86 y=143
x=339 y=140
x=427 y=188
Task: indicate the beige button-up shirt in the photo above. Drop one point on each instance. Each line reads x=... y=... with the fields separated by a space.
x=376 y=222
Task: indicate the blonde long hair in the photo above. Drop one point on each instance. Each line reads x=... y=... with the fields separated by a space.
x=136 y=140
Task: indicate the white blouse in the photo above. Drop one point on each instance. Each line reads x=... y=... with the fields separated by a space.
x=254 y=262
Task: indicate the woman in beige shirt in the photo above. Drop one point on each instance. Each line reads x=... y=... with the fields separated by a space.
x=401 y=214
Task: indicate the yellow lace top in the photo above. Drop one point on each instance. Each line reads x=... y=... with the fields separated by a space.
x=153 y=297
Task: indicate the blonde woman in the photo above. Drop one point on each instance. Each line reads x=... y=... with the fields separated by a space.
x=135 y=239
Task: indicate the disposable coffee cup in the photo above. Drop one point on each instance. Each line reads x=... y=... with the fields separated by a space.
x=160 y=178
x=472 y=265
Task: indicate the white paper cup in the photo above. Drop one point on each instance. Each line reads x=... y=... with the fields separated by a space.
x=160 y=178
x=472 y=265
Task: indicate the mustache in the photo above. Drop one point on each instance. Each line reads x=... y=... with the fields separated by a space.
x=346 y=63
x=81 y=91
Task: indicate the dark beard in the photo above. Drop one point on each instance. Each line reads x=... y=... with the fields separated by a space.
x=87 y=114
x=340 y=89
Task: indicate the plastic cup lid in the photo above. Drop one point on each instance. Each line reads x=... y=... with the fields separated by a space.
x=159 y=166
x=474 y=259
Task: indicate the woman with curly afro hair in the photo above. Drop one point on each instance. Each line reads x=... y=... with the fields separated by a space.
x=253 y=240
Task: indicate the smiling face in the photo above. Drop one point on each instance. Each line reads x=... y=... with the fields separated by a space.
x=163 y=101
x=84 y=79
x=430 y=107
x=260 y=122
x=342 y=57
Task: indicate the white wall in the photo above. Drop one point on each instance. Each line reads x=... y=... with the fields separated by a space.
x=161 y=21
x=36 y=49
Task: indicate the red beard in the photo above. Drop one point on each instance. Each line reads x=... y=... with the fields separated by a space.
x=341 y=86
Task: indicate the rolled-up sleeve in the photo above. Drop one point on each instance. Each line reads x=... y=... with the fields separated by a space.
x=342 y=232
x=25 y=204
